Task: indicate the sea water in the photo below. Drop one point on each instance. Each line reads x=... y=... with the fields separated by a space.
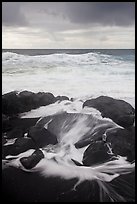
x=76 y=73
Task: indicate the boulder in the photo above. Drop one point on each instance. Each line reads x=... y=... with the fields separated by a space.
x=119 y=111
x=32 y=161
x=123 y=142
x=61 y=98
x=22 y=145
x=45 y=98
x=11 y=104
x=96 y=153
x=42 y=136
x=14 y=103
x=6 y=126
x=15 y=133
x=27 y=99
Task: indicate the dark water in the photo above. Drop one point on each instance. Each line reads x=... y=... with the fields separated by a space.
x=33 y=52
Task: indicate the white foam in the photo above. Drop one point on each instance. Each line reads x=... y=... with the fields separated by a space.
x=80 y=76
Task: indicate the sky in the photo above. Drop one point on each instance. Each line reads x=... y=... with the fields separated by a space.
x=68 y=25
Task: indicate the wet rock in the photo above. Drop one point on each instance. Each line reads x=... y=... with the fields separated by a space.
x=11 y=104
x=3 y=140
x=23 y=123
x=119 y=111
x=6 y=126
x=32 y=161
x=61 y=98
x=42 y=136
x=82 y=143
x=123 y=142
x=96 y=153
x=27 y=99
x=14 y=103
x=15 y=133
x=45 y=98
x=21 y=145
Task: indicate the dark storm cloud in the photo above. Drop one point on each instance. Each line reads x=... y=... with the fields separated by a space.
x=82 y=13
x=108 y=13
x=12 y=15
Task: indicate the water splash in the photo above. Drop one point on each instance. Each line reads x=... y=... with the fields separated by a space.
x=61 y=160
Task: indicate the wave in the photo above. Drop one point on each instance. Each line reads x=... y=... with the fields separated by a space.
x=59 y=59
x=79 y=75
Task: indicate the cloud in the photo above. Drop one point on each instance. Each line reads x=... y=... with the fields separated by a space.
x=106 y=13
x=82 y=13
x=68 y=24
x=12 y=15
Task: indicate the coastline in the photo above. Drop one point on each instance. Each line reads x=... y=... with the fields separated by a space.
x=118 y=113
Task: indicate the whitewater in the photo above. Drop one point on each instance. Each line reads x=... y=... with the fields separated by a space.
x=75 y=75
x=80 y=77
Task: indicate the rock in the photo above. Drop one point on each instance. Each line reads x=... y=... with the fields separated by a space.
x=123 y=142
x=6 y=126
x=45 y=98
x=119 y=111
x=6 y=150
x=32 y=161
x=11 y=104
x=96 y=153
x=61 y=98
x=42 y=136
x=82 y=143
x=23 y=123
x=27 y=99
x=14 y=103
x=3 y=140
x=15 y=133
x=22 y=145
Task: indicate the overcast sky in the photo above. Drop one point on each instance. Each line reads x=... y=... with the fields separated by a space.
x=68 y=25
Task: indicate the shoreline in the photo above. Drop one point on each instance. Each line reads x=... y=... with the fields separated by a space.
x=31 y=135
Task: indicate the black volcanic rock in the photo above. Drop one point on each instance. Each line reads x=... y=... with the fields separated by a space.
x=15 y=133
x=11 y=104
x=96 y=153
x=32 y=161
x=123 y=142
x=6 y=126
x=23 y=123
x=22 y=145
x=27 y=99
x=42 y=136
x=14 y=103
x=45 y=98
x=61 y=98
x=119 y=111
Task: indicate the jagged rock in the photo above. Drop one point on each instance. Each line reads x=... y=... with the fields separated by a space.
x=119 y=111
x=32 y=161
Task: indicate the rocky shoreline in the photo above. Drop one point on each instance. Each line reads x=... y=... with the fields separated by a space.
x=122 y=140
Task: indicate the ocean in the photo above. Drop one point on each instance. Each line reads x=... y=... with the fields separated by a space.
x=64 y=174
x=76 y=73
